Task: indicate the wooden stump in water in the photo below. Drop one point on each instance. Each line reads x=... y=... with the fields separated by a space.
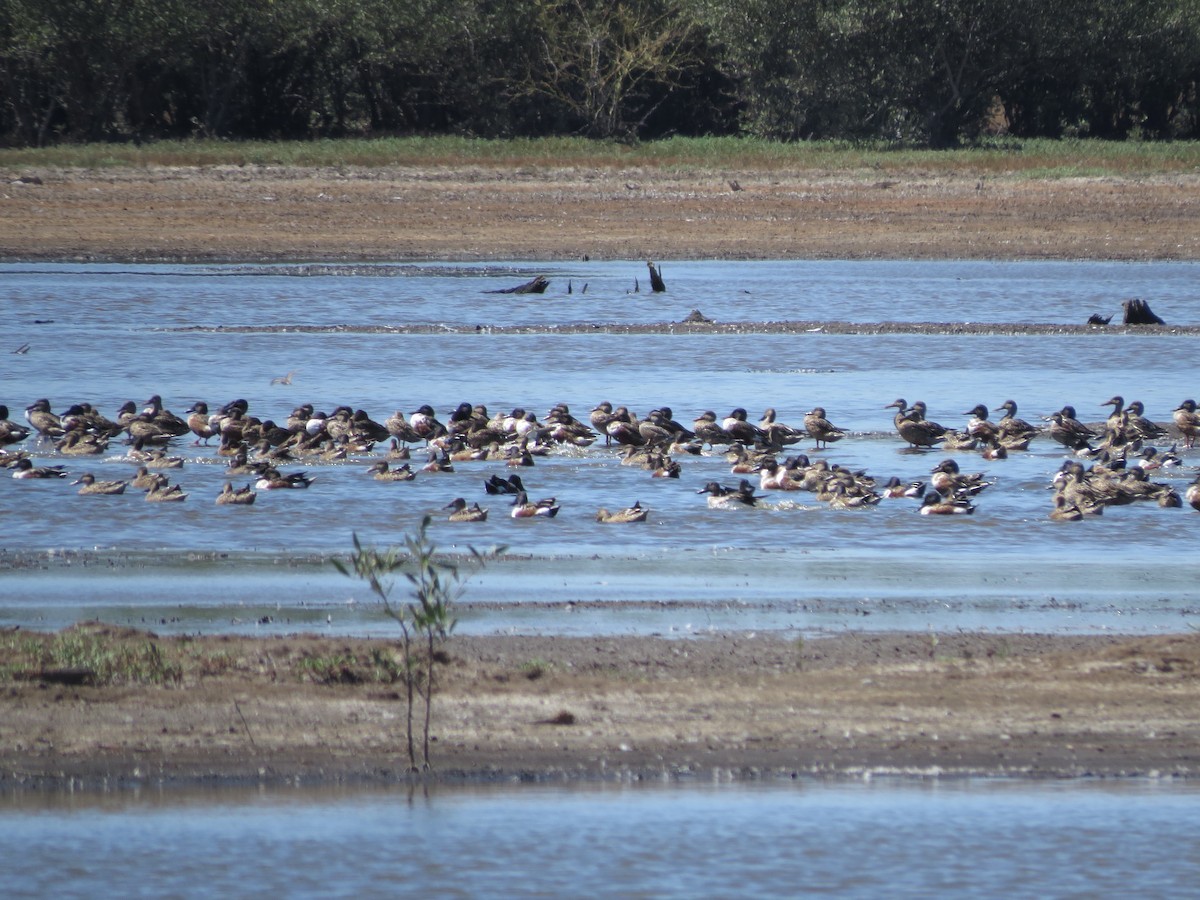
x=657 y=285
x=535 y=286
x=1138 y=312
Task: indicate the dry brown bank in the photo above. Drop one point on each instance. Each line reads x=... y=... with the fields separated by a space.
x=266 y=213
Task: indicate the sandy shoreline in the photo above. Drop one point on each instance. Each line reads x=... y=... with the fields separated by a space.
x=729 y=706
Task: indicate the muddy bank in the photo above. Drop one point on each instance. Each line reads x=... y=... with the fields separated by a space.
x=262 y=214
x=738 y=705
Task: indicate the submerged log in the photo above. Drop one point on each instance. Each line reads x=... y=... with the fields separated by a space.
x=657 y=285
x=1138 y=312
x=535 y=286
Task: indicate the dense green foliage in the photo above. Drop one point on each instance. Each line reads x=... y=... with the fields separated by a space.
x=922 y=72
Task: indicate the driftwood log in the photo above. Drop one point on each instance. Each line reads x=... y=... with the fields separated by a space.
x=1138 y=312
x=656 y=282
x=535 y=286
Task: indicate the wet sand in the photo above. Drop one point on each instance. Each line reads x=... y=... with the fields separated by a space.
x=729 y=706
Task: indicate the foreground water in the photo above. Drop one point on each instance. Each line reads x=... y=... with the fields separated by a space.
x=107 y=334
x=900 y=839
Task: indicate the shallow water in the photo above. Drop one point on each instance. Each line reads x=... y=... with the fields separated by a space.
x=898 y=839
x=106 y=334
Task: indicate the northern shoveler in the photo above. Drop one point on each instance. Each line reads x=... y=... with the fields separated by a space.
x=935 y=504
x=722 y=497
x=231 y=496
x=1187 y=420
x=1067 y=430
x=24 y=469
x=89 y=485
x=10 y=432
x=463 y=513
x=383 y=472
x=978 y=426
x=43 y=421
x=524 y=508
x=272 y=480
x=912 y=425
x=635 y=513
x=163 y=491
x=820 y=428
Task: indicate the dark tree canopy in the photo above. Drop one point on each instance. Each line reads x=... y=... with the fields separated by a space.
x=925 y=72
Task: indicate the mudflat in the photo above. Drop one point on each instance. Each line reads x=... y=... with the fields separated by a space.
x=730 y=705
x=260 y=213
x=237 y=709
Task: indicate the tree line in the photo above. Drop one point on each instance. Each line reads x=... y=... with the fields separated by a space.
x=918 y=72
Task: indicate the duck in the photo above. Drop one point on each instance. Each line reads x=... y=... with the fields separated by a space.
x=401 y=429
x=895 y=488
x=742 y=431
x=10 y=432
x=1187 y=420
x=912 y=426
x=947 y=479
x=85 y=417
x=843 y=496
x=163 y=418
x=438 y=462
x=1192 y=495
x=89 y=485
x=774 y=477
x=1010 y=427
x=42 y=420
x=25 y=469
x=162 y=491
x=777 y=435
x=10 y=458
x=935 y=504
x=1152 y=458
x=979 y=427
x=635 y=513
x=708 y=431
x=722 y=497
x=81 y=443
x=143 y=479
x=1065 y=511
x=1141 y=426
x=600 y=416
x=153 y=457
x=1067 y=430
x=820 y=428
x=382 y=471
x=272 y=480
x=463 y=513
x=623 y=428
x=524 y=508
x=425 y=423
x=564 y=428
x=231 y=496
x=510 y=485
x=201 y=424
x=665 y=467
